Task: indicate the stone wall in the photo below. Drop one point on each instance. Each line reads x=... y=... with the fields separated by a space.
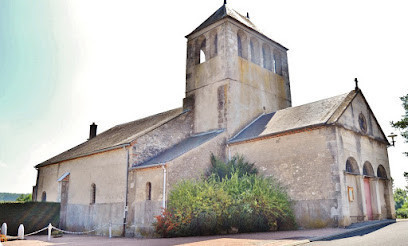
x=161 y=138
x=191 y=165
x=365 y=150
x=97 y=216
x=305 y=164
x=142 y=209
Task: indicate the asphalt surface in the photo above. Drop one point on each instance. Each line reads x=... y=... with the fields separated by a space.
x=393 y=234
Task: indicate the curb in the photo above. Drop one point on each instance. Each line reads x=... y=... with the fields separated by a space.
x=381 y=224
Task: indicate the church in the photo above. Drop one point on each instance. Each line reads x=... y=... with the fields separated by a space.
x=331 y=154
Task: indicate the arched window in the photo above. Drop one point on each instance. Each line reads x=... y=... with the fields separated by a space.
x=214 y=44
x=273 y=64
x=277 y=67
x=253 y=44
x=148 y=191
x=351 y=166
x=381 y=173
x=44 y=196
x=202 y=51
x=266 y=55
x=242 y=44
x=368 y=169
x=93 y=193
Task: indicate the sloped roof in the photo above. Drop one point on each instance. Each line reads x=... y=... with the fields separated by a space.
x=312 y=114
x=224 y=12
x=179 y=149
x=115 y=137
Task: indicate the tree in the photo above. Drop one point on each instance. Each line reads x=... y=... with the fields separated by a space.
x=402 y=124
x=24 y=198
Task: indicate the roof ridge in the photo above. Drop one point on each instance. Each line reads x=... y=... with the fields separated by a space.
x=114 y=137
x=150 y=116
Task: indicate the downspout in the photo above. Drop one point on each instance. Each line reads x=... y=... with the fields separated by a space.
x=125 y=208
x=164 y=184
x=229 y=152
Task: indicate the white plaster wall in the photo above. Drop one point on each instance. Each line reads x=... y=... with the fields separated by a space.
x=106 y=170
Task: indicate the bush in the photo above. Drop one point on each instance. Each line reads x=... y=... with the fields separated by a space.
x=231 y=197
x=402 y=213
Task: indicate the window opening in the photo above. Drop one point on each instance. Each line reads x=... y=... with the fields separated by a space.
x=148 y=191
x=93 y=194
x=202 y=52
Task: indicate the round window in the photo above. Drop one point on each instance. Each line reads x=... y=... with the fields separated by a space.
x=363 y=123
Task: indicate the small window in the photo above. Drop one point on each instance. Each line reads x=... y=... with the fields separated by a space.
x=242 y=44
x=362 y=122
x=148 y=191
x=213 y=44
x=266 y=55
x=44 y=196
x=277 y=63
x=274 y=64
x=239 y=45
x=254 y=47
x=93 y=193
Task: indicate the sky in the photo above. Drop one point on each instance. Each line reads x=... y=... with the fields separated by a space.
x=66 y=64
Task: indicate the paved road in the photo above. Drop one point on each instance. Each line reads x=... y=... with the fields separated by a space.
x=394 y=234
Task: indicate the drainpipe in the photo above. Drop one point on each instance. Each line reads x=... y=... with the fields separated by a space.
x=164 y=184
x=125 y=209
x=229 y=152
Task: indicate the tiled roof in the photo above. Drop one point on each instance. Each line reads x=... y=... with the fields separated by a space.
x=325 y=111
x=179 y=149
x=115 y=137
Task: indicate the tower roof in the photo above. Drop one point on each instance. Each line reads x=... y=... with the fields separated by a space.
x=222 y=13
x=225 y=12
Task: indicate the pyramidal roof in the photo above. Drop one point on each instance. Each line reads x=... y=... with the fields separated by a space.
x=222 y=13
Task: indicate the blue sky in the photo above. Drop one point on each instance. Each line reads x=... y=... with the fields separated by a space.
x=64 y=65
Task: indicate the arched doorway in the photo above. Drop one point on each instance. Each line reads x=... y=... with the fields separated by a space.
x=384 y=192
x=353 y=190
x=368 y=173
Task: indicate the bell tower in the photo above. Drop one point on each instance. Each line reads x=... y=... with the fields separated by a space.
x=234 y=73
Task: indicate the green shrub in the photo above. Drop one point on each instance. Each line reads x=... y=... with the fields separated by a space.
x=231 y=197
x=402 y=213
x=237 y=164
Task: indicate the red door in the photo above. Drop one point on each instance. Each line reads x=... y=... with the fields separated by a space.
x=368 y=198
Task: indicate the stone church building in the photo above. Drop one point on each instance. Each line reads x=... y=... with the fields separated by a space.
x=331 y=154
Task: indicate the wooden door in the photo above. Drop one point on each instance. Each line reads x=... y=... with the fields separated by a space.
x=368 y=198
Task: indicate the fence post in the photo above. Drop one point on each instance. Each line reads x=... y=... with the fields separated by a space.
x=20 y=234
x=49 y=231
x=4 y=229
x=110 y=229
